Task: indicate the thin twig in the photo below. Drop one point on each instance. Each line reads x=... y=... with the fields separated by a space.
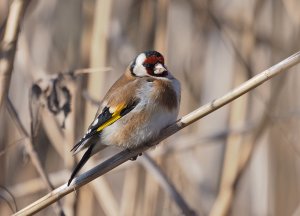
x=125 y=155
x=168 y=186
x=91 y=70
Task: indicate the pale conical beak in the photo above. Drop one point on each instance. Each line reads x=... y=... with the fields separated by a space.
x=159 y=69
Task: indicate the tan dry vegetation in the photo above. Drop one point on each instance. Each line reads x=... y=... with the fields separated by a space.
x=240 y=160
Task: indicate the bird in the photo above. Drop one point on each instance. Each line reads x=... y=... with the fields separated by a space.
x=137 y=107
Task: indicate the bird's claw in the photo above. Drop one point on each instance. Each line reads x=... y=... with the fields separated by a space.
x=135 y=157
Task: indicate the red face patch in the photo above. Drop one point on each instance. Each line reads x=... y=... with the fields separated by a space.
x=152 y=60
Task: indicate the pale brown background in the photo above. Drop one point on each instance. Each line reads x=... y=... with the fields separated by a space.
x=210 y=47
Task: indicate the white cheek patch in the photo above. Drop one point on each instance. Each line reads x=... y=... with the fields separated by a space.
x=140 y=59
x=139 y=69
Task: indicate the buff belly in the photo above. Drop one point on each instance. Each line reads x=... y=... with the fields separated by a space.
x=136 y=129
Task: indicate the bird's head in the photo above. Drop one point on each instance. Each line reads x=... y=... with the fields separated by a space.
x=149 y=63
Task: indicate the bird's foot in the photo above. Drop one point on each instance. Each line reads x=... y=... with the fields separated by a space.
x=135 y=157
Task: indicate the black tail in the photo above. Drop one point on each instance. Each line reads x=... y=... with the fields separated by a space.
x=82 y=161
x=85 y=138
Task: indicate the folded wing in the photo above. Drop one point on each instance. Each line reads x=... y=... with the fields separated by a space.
x=108 y=116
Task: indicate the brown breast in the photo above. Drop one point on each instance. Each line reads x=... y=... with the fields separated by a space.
x=165 y=94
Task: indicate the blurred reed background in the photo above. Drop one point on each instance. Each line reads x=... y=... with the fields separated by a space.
x=240 y=160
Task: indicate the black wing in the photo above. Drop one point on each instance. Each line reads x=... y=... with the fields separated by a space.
x=90 y=139
x=103 y=117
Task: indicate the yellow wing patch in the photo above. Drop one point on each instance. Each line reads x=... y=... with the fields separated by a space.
x=115 y=116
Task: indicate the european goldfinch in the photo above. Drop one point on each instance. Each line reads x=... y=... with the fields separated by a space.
x=142 y=102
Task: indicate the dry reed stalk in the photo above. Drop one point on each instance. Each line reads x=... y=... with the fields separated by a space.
x=222 y=206
x=86 y=197
x=98 y=54
x=92 y=70
x=235 y=142
x=103 y=192
x=151 y=192
x=160 y=42
x=9 y=43
x=297 y=211
x=132 y=194
x=186 y=120
x=140 y=195
x=230 y=169
x=8 y=46
x=145 y=23
x=251 y=139
x=284 y=190
x=130 y=191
